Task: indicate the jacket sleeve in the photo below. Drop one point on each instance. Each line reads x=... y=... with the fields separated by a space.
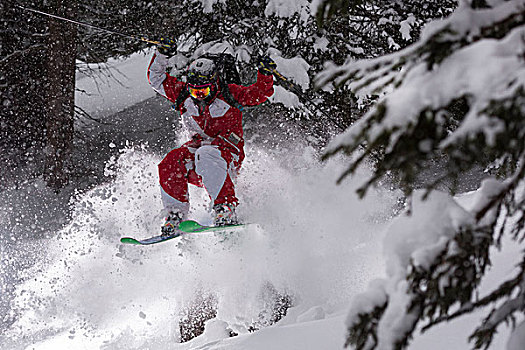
x=254 y=94
x=162 y=82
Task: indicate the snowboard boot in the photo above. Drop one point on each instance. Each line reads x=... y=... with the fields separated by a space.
x=225 y=215
x=171 y=224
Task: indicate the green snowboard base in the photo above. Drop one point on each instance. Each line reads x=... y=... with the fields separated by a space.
x=185 y=227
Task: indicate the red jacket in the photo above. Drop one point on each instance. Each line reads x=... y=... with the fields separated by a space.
x=218 y=123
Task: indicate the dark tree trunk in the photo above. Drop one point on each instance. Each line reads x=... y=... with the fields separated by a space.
x=60 y=94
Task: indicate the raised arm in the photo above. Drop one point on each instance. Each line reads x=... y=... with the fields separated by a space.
x=258 y=92
x=162 y=82
x=254 y=94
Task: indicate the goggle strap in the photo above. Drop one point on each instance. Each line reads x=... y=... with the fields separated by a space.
x=199 y=86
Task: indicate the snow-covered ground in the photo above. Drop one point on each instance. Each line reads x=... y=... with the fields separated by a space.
x=105 y=89
x=91 y=290
x=316 y=241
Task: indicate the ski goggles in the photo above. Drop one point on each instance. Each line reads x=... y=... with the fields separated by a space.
x=199 y=91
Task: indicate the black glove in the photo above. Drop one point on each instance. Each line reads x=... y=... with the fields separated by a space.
x=266 y=65
x=167 y=47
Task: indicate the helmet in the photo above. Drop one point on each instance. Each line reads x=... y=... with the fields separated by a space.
x=202 y=79
x=202 y=71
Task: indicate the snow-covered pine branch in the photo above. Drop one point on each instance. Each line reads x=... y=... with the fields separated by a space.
x=457 y=94
x=436 y=259
x=462 y=81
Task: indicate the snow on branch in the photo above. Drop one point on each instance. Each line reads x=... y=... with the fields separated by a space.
x=411 y=241
x=464 y=81
x=436 y=259
x=457 y=96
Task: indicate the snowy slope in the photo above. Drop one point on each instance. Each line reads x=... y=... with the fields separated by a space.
x=107 y=88
x=92 y=291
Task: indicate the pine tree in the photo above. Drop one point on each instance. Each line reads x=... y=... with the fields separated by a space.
x=457 y=95
x=60 y=93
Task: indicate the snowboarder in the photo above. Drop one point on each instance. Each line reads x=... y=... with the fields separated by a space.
x=211 y=110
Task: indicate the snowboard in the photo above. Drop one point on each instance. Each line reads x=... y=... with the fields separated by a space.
x=185 y=227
